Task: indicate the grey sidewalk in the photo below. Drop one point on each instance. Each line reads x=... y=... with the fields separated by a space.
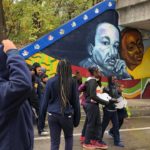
x=139 y=107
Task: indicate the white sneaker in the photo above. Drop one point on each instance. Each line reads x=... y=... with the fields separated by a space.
x=44 y=133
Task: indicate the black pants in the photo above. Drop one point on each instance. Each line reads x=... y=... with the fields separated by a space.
x=122 y=113
x=85 y=122
x=34 y=102
x=58 y=123
x=113 y=117
x=93 y=128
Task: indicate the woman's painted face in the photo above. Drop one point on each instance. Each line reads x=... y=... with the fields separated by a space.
x=132 y=49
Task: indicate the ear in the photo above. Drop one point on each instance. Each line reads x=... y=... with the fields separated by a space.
x=90 y=49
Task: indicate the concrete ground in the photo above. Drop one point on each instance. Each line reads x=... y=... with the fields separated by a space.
x=135 y=132
x=139 y=107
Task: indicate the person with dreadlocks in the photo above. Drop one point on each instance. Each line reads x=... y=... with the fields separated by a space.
x=61 y=101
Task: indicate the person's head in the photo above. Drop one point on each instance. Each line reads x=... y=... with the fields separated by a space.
x=37 y=69
x=44 y=78
x=132 y=48
x=4 y=73
x=78 y=75
x=43 y=70
x=64 y=73
x=114 y=78
x=104 y=51
x=120 y=87
x=94 y=71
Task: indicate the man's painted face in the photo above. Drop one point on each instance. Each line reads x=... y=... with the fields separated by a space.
x=105 y=51
x=132 y=49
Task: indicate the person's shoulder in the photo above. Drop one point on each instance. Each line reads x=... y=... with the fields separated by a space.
x=91 y=81
x=52 y=79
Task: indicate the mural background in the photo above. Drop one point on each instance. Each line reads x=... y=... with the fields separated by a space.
x=74 y=47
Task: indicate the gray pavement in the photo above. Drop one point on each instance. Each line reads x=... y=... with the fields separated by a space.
x=139 y=107
x=135 y=133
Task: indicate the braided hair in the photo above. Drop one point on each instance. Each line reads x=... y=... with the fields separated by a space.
x=65 y=81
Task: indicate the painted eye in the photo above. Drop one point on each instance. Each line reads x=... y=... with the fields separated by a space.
x=106 y=43
x=116 y=46
x=140 y=44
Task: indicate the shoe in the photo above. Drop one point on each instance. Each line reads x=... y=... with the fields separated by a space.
x=89 y=146
x=43 y=133
x=111 y=134
x=93 y=142
x=119 y=144
x=82 y=138
x=100 y=145
x=103 y=142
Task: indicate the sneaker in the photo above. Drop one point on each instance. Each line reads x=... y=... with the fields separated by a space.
x=103 y=142
x=93 y=142
x=43 y=133
x=89 y=146
x=111 y=134
x=100 y=145
x=119 y=144
x=82 y=138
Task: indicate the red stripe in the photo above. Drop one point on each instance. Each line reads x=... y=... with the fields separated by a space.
x=84 y=73
x=129 y=83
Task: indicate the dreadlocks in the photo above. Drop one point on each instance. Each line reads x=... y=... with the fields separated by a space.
x=65 y=79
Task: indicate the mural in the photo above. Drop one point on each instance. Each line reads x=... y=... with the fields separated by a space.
x=104 y=54
x=94 y=39
x=135 y=51
x=95 y=43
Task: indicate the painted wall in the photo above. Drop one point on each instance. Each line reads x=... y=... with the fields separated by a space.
x=99 y=42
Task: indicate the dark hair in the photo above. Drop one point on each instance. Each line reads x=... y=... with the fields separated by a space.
x=92 y=70
x=44 y=76
x=77 y=72
x=126 y=30
x=65 y=81
x=34 y=66
x=91 y=35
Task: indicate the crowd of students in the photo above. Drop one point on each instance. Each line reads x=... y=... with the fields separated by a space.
x=58 y=97
x=94 y=128
x=114 y=110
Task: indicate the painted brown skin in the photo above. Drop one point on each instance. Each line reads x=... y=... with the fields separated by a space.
x=132 y=48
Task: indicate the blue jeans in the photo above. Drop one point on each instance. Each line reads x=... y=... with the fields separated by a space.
x=58 y=123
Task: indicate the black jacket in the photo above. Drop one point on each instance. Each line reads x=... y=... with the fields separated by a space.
x=91 y=86
x=16 y=127
x=52 y=102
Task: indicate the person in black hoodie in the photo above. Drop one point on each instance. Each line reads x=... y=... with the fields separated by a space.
x=110 y=112
x=16 y=127
x=61 y=100
x=93 y=127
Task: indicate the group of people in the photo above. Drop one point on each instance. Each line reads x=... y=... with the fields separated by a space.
x=24 y=86
x=39 y=79
x=114 y=110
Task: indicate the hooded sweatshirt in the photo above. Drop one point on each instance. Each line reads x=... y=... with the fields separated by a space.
x=16 y=128
x=91 y=86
